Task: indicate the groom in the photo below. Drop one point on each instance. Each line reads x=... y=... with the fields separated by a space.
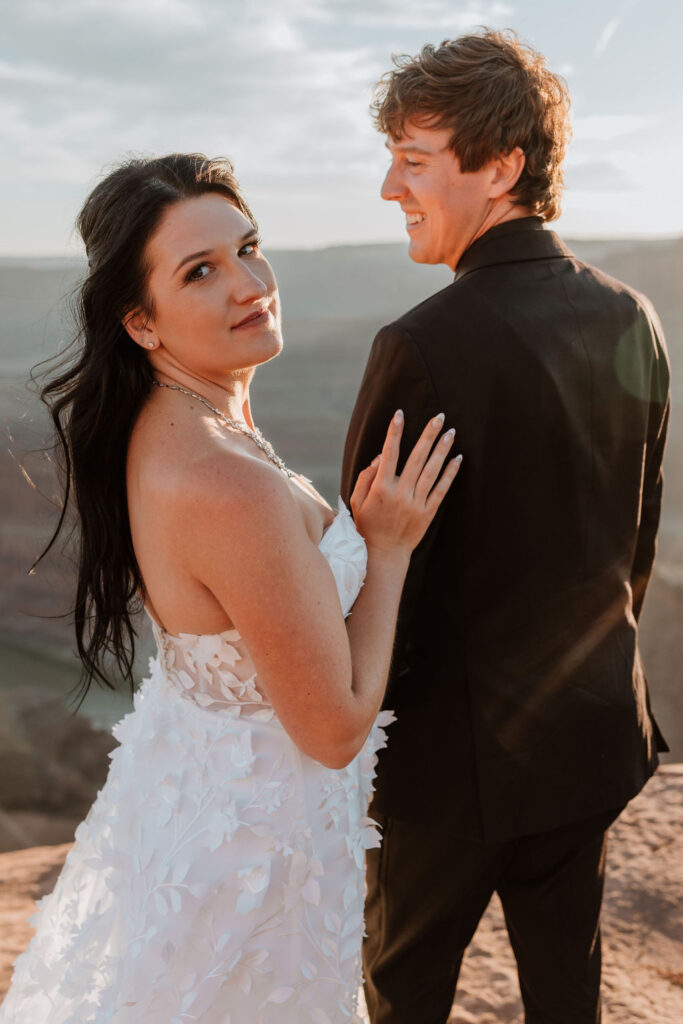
x=523 y=717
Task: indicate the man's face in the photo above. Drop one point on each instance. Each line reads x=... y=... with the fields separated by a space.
x=445 y=209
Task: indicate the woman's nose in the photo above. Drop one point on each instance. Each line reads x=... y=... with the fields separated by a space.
x=249 y=285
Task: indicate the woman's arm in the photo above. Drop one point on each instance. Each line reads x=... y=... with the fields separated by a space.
x=242 y=536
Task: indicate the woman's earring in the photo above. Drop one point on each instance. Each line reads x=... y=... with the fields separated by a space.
x=150 y=344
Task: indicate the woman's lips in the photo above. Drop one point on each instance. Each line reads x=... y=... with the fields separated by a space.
x=254 y=319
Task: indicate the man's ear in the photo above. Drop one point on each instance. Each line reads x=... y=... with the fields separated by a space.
x=507 y=168
x=138 y=326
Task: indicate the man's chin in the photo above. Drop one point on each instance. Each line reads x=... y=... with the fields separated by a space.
x=420 y=254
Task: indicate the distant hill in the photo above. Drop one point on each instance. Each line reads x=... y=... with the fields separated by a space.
x=364 y=282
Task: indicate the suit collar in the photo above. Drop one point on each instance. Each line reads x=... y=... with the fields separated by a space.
x=512 y=242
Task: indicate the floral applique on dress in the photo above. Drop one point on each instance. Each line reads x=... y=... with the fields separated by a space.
x=218 y=877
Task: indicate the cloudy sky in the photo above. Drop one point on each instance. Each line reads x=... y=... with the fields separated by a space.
x=283 y=86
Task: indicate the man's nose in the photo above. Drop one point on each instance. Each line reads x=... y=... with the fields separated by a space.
x=392 y=187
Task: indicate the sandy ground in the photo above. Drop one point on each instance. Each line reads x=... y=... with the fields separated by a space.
x=642 y=921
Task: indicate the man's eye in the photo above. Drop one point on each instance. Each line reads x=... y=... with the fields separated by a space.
x=196 y=273
x=413 y=163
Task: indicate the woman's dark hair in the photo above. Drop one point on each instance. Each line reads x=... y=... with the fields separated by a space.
x=97 y=394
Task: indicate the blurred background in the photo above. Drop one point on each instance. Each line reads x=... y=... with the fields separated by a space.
x=282 y=87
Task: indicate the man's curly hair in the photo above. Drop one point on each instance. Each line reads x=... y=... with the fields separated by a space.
x=493 y=93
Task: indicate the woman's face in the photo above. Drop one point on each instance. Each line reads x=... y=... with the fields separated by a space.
x=214 y=295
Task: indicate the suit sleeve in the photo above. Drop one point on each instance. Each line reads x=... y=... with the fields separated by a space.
x=396 y=377
x=651 y=503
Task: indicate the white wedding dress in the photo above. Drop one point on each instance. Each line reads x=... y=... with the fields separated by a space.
x=218 y=877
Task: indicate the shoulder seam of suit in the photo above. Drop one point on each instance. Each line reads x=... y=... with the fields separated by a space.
x=423 y=302
x=399 y=328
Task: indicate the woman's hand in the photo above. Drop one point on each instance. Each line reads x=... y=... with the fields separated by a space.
x=393 y=512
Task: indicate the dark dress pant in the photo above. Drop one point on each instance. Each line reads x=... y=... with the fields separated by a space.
x=428 y=889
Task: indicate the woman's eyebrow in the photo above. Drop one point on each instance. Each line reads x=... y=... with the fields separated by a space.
x=207 y=252
x=192 y=256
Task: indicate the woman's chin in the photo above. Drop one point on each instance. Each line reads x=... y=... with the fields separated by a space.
x=274 y=346
x=267 y=349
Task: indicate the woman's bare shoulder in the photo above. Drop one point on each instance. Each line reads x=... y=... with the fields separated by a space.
x=185 y=463
x=240 y=491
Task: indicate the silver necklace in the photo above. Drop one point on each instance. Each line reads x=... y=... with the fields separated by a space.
x=256 y=435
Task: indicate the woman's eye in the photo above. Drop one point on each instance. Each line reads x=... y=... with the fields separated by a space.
x=413 y=163
x=250 y=247
x=196 y=272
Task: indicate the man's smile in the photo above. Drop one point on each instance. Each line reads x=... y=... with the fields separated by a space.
x=413 y=219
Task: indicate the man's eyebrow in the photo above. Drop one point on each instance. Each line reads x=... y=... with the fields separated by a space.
x=409 y=147
x=251 y=233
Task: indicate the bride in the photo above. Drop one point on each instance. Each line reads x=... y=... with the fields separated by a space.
x=218 y=877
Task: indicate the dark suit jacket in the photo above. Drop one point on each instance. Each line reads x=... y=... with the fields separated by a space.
x=520 y=696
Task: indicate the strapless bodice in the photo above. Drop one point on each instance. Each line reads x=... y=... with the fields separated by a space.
x=215 y=670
